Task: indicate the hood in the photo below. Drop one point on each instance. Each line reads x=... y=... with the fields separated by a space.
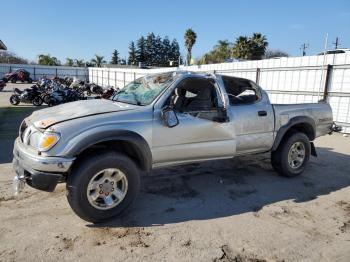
x=49 y=116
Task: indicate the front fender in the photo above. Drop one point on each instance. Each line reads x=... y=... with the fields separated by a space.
x=85 y=141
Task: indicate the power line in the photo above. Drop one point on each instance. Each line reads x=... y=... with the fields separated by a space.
x=336 y=43
x=303 y=48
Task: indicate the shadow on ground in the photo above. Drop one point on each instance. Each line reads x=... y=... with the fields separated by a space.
x=230 y=187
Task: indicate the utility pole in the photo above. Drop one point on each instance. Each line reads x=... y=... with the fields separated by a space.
x=336 y=43
x=303 y=48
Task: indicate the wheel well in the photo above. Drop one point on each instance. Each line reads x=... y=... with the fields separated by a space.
x=126 y=147
x=302 y=127
x=305 y=128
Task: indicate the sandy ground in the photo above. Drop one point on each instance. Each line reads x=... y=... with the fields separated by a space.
x=230 y=210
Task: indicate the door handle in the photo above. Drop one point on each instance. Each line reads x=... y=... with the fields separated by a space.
x=262 y=113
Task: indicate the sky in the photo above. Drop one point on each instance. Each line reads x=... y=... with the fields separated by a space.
x=80 y=29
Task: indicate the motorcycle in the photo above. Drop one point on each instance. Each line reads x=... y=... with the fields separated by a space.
x=2 y=85
x=29 y=95
x=65 y=95
x=93 y=89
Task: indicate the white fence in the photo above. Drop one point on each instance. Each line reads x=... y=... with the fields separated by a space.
x=38 y=71
x=287 y=80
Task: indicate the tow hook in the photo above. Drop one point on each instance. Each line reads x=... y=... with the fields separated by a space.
x=18 y=184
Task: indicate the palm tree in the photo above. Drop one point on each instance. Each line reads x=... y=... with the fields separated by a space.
x=98 y=60
x=80 y=62
x=190 y=40
x=259 y=45
x=242 y=48
x=48 y=60
x=69 y=61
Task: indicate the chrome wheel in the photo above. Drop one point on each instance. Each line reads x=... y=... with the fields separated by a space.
x=296 y=155
x=107 y=188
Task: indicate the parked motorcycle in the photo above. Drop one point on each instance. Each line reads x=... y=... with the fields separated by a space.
x=2 y=85
x=93 y=89
x=30 y=96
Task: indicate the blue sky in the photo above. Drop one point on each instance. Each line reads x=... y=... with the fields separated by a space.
x=80 y=29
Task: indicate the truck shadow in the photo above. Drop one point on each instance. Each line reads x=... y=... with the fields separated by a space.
x=229 y=187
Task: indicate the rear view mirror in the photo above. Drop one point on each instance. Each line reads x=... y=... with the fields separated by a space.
x=169 y=117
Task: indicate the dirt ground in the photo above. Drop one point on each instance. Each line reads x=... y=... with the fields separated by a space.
x=229 y=210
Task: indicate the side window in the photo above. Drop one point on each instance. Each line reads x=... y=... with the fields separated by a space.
x=194 y=94
x=241 y=91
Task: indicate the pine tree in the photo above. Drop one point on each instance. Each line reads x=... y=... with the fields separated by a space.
x=150 y=50
x=115 y=57
x=132 y=54
x=175 y=53
x=140 y=52
x=166 y=51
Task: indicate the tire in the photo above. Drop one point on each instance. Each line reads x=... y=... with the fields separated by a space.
x=82 y=174
x=5 y=79
x=88 y=93
x=14 y=100
x=2 y=88
x=280 y=157
x=37 y=101
x=30 y=80
x=13 y=79
x=46 y=98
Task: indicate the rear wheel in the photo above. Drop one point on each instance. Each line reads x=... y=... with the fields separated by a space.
x=37 y=101
x=292 y=155
x=14 y=100
x=30 y=80
x=102 y=186
x=13 y=79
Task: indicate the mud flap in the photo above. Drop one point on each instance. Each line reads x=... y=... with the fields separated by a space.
x=313 y=149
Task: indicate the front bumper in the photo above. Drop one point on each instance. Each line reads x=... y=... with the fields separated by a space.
x=40 y=172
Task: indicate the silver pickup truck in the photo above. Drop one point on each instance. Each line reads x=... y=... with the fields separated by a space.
x=99 y=148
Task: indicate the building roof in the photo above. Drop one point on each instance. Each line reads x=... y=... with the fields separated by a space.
x=2 y=46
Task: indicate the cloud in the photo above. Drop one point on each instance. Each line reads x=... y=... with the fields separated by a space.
x=296 y=26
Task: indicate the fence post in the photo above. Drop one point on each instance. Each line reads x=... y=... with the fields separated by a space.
x=327 y=82
x=56 y=71
x=115 y=79
x=124 y=78
x=257 y=78
x=134 y=76
x=76 y=73
x=108 y=76
x=34 y=73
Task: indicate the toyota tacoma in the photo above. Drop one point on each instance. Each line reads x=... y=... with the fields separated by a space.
x=99 y=148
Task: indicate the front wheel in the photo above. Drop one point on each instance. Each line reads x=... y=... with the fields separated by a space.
x=14 y=80
x=30 y=80
x=37 y=101
x=14 y=100
x=292 y=155
x=102 y=186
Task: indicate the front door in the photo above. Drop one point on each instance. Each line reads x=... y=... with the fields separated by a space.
x=196 y=137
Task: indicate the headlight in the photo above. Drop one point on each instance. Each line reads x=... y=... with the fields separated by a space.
x=47 y=140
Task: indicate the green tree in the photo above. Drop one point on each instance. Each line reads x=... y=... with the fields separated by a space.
x=250 y=48
x=150 y=49
x=98 y=60
x=140 y=51
x=242 y=48
x=221 y=52
x=48 y=60
x=79 y=62
x=132 y=54
x=258 y=46
x=69 y=61
x=115 y=57
x=190 y=40
x=272 y=53
x=175 y=53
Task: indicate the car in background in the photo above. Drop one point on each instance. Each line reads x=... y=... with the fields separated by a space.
x=18 y=75
x=2 y=85
x=336 y=51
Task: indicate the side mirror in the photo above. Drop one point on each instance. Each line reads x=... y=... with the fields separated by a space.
x=169 y=117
